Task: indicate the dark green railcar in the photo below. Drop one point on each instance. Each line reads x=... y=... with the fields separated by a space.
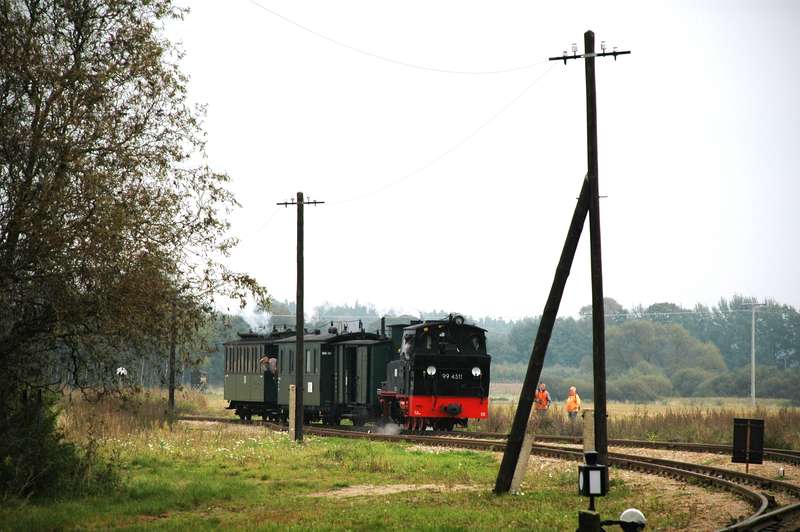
x=251 y=374
x=341 y=374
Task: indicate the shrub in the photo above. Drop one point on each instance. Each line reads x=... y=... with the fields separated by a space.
x=687 y=381
x=36 y=461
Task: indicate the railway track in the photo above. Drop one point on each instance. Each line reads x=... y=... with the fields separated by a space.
x=763 y=518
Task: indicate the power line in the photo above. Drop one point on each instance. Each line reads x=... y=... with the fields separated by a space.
x=389 y=59
x=449 y=150
x=709 y=313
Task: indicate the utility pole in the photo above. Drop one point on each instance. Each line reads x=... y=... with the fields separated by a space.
x=753 y=353
x=588 y=203
x=515 y=456
x=598 y=311
x=299 y=319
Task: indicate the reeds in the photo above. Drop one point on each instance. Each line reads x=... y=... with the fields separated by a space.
x=688 y=424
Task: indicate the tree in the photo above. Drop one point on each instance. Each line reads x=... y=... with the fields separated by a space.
x=112 y=227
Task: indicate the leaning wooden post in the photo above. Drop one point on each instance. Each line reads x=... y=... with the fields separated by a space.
x=513 y=452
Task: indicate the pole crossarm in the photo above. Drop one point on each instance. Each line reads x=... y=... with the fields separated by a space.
x=566 y=58
x=294 y=202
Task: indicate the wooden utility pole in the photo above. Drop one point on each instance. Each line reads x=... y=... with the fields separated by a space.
x=299 y=360
x=588 y=203
x=598 y=310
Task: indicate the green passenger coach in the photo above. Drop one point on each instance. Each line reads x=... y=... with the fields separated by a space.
x=342 y=373
x=251 y=374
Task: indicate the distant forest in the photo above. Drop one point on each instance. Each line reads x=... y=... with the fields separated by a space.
x=652 y=352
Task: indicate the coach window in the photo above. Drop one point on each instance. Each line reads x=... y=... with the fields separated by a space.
x=291 y=361
x=308 y=368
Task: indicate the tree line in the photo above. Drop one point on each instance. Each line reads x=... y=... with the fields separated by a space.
x=652 y=352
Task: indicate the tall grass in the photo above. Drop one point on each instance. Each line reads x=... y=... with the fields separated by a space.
x=83 y=417
x=701 y=425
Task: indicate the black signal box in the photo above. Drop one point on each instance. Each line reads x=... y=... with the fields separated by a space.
x=748 y=441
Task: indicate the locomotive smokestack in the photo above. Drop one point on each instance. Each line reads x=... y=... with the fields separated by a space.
x=383 y=326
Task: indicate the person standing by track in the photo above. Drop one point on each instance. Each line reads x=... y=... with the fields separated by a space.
x=572 y=406
x=542 y=400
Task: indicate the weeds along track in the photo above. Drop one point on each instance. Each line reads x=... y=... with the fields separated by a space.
x=789 y=456
x=762 y=518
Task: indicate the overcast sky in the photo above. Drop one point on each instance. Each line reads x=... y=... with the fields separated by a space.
x=455 y=190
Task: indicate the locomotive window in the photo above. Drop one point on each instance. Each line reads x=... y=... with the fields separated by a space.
x=428 y=341
x=408 y=345
x=476 y=342
x=309 y=366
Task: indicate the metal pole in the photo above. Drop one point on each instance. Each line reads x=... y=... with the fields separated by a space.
x=598 y=312
x=512 y=454
x=753 y=358
x=299 y=328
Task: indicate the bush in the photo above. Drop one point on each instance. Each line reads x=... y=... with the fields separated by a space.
x=36 y=461
x=687 y=381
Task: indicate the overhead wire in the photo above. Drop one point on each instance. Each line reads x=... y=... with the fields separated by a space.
x=389 y=59
x=449 y=150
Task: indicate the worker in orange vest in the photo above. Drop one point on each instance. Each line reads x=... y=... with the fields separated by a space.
x=542 y=399
x=573 y=404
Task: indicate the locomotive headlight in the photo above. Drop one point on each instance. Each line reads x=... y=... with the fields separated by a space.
x=476 y=371
x=431 y=370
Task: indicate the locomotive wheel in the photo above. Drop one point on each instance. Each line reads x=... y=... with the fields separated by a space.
x=359 y=421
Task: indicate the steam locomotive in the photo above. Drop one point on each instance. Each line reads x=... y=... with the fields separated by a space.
x=422 y=374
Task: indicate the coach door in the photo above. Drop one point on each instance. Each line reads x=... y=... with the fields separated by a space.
x=350 y=374
x=362 y=359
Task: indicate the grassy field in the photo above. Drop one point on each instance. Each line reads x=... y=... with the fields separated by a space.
x=201 y=475
x=695 y=419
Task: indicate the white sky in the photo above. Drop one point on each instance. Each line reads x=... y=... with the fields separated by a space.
x=436 y=200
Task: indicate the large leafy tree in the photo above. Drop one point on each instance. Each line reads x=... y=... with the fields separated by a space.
x=112 y=228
